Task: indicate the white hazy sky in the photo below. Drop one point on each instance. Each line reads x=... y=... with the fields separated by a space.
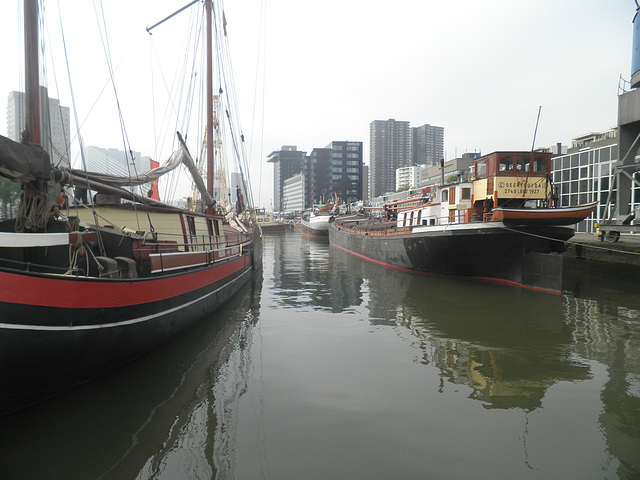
x=325 y=70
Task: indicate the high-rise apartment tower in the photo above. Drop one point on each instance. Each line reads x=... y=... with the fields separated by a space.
x=390 y=148
x=427 y=145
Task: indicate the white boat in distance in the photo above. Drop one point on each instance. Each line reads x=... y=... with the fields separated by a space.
x=315 y=222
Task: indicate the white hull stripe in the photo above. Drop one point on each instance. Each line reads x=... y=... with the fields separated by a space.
x=33 y=239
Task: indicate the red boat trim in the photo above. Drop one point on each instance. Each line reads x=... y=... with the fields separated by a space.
x=132 y=321
x=497 y=281
x=72 y=292
x=310 y=235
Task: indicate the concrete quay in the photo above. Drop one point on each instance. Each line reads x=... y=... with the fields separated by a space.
x=588 y=259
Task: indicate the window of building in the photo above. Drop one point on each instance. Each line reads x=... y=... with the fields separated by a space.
x=584 y=159
x=466 y=194
x=445 y=196
x=574 y=161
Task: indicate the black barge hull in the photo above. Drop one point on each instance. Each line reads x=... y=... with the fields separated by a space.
x=523 y=256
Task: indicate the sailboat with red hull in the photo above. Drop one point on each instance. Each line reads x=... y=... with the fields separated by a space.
x=80 y=294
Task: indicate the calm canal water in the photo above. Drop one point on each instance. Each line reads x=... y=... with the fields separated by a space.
x=329 y=367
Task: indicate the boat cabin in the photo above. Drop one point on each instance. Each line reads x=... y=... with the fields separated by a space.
x=501 y=179
x=445 y=204
x=512 y=179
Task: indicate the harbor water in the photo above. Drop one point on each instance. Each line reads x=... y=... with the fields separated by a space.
x=331 y=367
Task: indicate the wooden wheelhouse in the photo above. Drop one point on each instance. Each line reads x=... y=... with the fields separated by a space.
x=512 y=179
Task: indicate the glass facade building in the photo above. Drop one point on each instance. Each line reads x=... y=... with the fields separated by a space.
x=585 y=173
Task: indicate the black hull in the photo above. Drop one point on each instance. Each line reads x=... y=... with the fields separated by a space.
x=45 y=350
x=523 y=256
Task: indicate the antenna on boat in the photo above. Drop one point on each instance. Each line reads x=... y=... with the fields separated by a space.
x=535 y=132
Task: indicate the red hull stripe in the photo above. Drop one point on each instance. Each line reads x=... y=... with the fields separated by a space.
x=72 y=292
x=498 y=281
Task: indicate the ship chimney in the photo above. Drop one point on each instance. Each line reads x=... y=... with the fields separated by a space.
x=442 y=170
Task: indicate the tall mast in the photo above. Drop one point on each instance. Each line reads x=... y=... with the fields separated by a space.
x=32 y=89
x=209 y=101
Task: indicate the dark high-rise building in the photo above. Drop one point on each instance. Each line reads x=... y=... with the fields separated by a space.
x=318 y=174
x=287 y=162
x=335 y=170
x=346 y=171
x=427 y=145
x=390 y=148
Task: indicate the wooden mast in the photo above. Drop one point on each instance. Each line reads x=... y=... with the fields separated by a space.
x=209 y=100
x=32 y=89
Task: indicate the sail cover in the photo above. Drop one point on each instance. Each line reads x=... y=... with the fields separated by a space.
x=149 y=176
x=23 y=162
x=180 y=156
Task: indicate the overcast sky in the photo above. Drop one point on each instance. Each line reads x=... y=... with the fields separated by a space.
x=325 y=70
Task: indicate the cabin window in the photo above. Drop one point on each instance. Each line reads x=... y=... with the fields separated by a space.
x=540 y=164
x=481 y=168
x=465 y=194
x=523 y=164
x=419 y=215
x=191 y=222
x=411 y=219
x=445 y=196
x=506 y=164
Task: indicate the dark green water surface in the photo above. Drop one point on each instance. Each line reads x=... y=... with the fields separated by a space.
x=329 y=367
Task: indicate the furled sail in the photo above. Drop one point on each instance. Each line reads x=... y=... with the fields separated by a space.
x=149 y=176
x=180 y=156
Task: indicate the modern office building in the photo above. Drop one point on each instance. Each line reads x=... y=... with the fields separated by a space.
x=389 y=149
x=318 y=176
x=458 y=167
x=346 y=171
x=427 y=145
x=294 y=194
x=585 y=173
x=287 y=162
x=55 y=125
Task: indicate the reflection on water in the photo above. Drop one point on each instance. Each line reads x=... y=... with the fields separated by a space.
x=510 y=345
x=171 y=414
x=332 y=367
